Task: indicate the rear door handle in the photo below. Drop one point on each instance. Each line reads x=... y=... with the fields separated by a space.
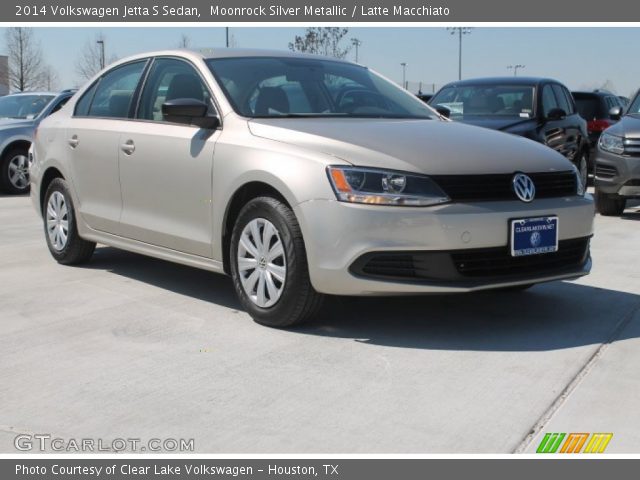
x=128 y=147
x=73 y=141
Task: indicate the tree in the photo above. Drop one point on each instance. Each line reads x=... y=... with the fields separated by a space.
x=49 y=78
x=322 y=41
x=25 y=60
x=185 y=41
x=90 y=61
x=608 y=85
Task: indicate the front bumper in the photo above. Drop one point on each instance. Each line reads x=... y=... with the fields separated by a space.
x=339 y=235
x=618 y=174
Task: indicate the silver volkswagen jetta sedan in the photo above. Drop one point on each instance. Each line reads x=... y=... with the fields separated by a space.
x=301 y=176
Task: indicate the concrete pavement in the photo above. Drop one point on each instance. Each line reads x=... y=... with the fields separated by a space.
x=133 y=347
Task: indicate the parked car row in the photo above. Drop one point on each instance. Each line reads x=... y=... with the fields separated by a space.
x=618 y=161
x=301 y=176
x=572 y=123
x=20 y=114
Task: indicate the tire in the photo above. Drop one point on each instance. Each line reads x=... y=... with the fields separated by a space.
x=58 y=213
x=276 y=291
x=14 y=175
x=610 y=205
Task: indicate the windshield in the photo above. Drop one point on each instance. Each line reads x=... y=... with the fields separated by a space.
x=589 y=106
x=23 y=106
x=486 y=100
x=267 y=87
x=634 y=108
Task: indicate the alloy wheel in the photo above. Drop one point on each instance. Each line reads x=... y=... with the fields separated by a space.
x=19 y=172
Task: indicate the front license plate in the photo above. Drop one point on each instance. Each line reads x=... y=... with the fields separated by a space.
x=533 y=236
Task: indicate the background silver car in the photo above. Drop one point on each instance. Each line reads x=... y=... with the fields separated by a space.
x=301 y=176
x=20 y=114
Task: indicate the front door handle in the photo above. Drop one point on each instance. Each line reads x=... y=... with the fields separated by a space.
x=73 y=141
x=128 y=147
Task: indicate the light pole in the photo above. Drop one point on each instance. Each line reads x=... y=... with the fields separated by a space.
x=515 y=68
x=356 y=43
x=227 y=32
x=460 y=31
x=404 y=75
x=101 y=43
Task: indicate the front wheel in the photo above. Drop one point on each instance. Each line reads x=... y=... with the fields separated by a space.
x=269 y=265
x=609 y=205
x=60 y=226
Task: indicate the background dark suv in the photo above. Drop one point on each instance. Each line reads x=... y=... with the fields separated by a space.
x=595 y=107
x=540 y=109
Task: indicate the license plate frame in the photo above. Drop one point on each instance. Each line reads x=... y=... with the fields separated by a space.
x=533 y=235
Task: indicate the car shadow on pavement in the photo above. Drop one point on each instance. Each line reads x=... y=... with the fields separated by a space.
x=631 y=213
x=189 y=281
x=549 y=316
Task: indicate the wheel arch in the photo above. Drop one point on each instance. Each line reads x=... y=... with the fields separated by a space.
x=49 y=176
x=240 y=197
x=15 y=143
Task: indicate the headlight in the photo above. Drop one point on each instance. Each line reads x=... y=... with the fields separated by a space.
x=611 y=143
x=381 y=187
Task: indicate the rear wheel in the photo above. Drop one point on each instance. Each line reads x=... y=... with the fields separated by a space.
x=14 y=177
x=60 y=226
x=609 y=205
x=269 y=265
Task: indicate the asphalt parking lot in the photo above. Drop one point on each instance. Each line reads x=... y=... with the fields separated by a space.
x=129 y=346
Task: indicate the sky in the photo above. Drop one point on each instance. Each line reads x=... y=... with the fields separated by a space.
x=580 y=57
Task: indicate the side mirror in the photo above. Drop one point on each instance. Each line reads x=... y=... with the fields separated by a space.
x=556 y=114
x=189 y=111
x=442 y=110
x=615 y=113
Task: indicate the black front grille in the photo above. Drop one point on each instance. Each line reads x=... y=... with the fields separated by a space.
x=460 y=265
x=391 y=265
x=497 y=187
x=605 y=171
x=492 y=262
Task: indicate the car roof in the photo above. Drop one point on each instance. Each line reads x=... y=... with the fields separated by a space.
x=210 y=53
x=501 y=80
x=24 y=94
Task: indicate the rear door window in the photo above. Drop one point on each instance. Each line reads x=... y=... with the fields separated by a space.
x=114 y=92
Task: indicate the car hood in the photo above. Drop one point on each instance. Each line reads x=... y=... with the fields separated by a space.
x=15 y=122
x=628 y=126
x=494 y=123
x=425 y=146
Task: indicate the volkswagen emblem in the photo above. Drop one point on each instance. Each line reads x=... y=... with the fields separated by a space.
x=523 y=187
x=535 y=239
